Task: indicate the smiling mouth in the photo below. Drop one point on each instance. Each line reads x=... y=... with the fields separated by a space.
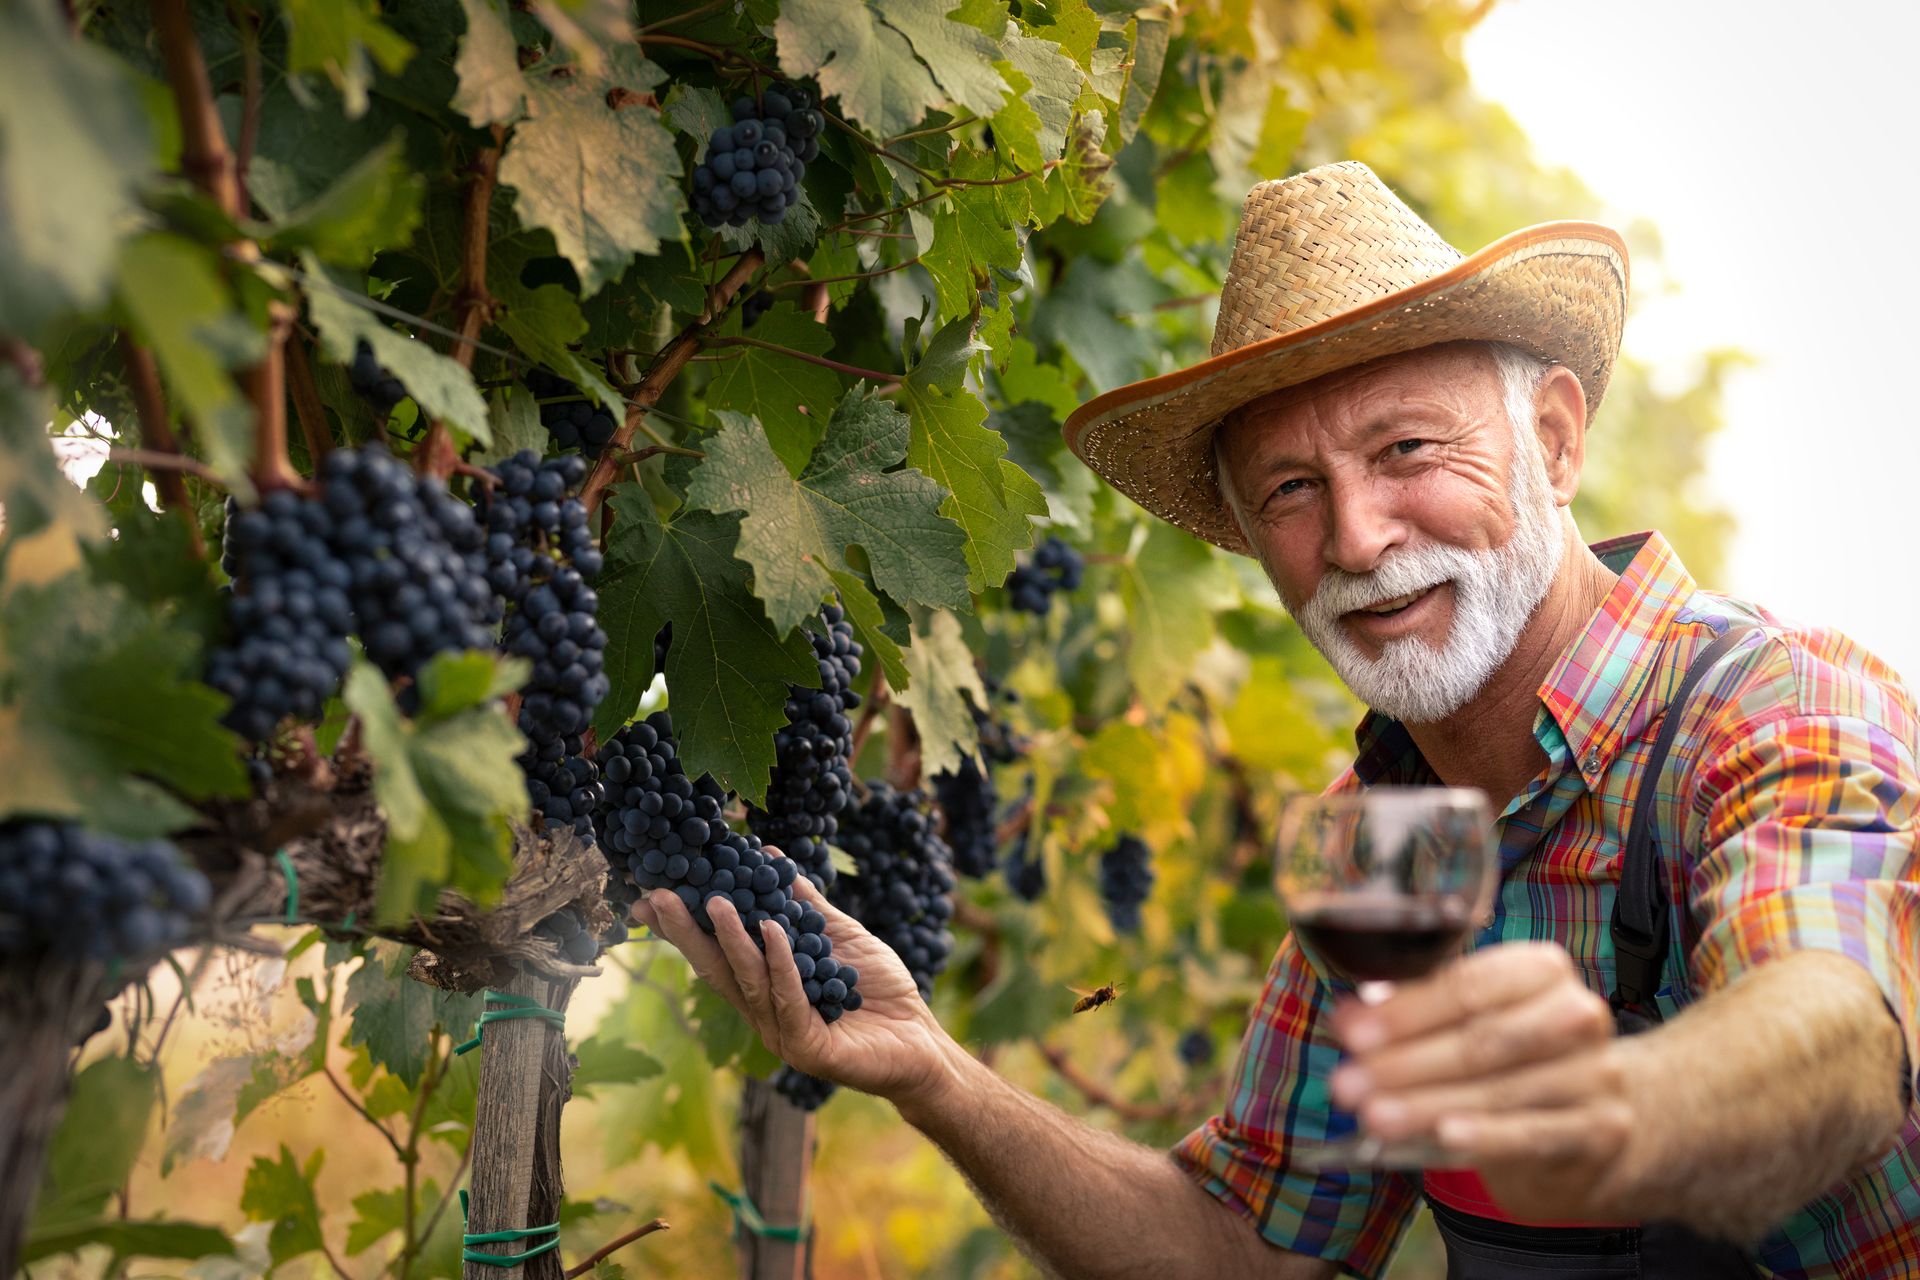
x=1387 y=608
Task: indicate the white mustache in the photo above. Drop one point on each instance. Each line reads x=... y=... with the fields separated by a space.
x=1413 y=570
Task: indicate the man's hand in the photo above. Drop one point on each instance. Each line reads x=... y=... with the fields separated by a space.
x=891 y=1046
x=1511 y=1061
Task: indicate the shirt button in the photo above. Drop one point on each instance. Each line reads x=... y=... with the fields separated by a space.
x=1592 y=763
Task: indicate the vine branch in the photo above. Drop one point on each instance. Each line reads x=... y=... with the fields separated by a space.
x=474 y=305
x=660 y=374
x=156 y=461
x=204 y=153
x=150 y=407
x=586 y=1264
x=1098 y=1094
x=851 y=370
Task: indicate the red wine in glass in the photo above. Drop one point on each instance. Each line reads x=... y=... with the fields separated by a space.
x=1387 y=939
x=1382 y=885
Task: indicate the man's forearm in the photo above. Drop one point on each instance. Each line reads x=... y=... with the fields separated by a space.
x=1763 y=1096
x=1084 y=1203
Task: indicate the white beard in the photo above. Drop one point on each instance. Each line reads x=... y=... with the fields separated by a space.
x=1494 y=594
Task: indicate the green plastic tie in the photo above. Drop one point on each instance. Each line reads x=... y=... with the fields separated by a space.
x=293 y=885
x=469 y=1239
x=517 y=1007
x=746 y=1216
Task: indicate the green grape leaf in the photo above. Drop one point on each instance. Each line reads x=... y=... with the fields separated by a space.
x=610 y=1061
x=1172 y=590
x=394 y=1016
x=103 y=704
x=492 y=89
x=513 y=420
x=99 y=1137
x=376 y=1214
x=961 y=57
x=1088 y=313
x=1053 y=83
x=280 y=1191
x=859 y=59
x=436 y=382
x=76 y=149
x=972 y=234
x=729 y=667
x=343 y=40
x=987 y=496
x=943 y=676
x=543 y=320
x=374 y=205
x=130 y=1238
x=604 y=179
x=182 y=310
x=791 y=397
x=448 y=783
x=795 y=533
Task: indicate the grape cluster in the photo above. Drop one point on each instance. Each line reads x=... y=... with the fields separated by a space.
x=574 y=420
x=567 y=930
x=289 y=616
x=540 y=556
x=811 y=780
x=667 y=831
x=1126 y=878
x=809 y=1093
x=966 y=794
x=86 y=895
x=1196 y=1047
x=1026 y=877
x=416 y=557
x=1054 y=566
x=904 y=892
x=758 y=303
x=374 y=380
x=753 y=167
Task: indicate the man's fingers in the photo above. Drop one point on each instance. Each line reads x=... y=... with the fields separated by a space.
x=1578 y=1134
x=1541 y=1087
x=837 y=920
x=748 y=965
x=673 y=922
x=1548 y=1024
x=1485 y=980
x=796 y=1018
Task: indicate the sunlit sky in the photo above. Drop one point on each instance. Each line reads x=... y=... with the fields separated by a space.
x=1771 y=144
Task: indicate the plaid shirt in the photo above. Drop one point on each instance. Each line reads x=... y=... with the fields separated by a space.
x=1801 y=811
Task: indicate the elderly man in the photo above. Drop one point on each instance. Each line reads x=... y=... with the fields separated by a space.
x=1396 y=432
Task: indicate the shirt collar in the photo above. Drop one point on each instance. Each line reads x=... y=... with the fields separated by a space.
x=1593 y=690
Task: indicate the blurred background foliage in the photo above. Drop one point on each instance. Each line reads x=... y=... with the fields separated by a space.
x=1169 y=697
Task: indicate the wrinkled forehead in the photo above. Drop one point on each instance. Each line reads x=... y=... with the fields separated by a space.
x=1436 y=376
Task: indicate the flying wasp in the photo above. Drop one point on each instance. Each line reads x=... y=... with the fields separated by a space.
x=1095 y=998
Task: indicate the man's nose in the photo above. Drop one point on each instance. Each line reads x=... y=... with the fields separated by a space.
x=1361 y=528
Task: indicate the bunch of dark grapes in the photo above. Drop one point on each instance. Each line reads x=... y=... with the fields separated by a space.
x=966 y=794
x=904 y=892
x=667 y=831
x=374 y=380
x=86 y=895
x=289 y=615
x=417 y=559
x=811 y=780
x=758 y=303
x=1026 y=877
x=1196 y=1048
x=1054 y=566
x=574 y=420
x=1126 y=878
x=567 y=930
x=809 y=1093
x=540 y=557
x=753 y=167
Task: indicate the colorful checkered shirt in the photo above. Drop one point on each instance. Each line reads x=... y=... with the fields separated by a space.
x=1800 y=819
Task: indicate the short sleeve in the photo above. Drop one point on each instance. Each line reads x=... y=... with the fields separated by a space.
x=1279 y=1098
x=1809 y=842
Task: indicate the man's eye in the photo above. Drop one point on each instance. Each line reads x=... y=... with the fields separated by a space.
x=1288 y=488
x=1404 y=447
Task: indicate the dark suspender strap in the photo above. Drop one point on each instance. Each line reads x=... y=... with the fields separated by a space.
x=1640 y=907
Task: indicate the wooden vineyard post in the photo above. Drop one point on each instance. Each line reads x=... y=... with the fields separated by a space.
x=776 y=1160
x=526 y=1077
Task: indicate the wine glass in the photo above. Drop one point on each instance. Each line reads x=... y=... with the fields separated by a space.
x=1381 y=885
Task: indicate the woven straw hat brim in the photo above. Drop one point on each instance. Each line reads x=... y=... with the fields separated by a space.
x=1558 y=290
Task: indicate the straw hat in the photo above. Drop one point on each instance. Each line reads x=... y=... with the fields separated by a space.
x=1330 y=270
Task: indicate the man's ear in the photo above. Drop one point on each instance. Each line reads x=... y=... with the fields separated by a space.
x=1560 y=405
